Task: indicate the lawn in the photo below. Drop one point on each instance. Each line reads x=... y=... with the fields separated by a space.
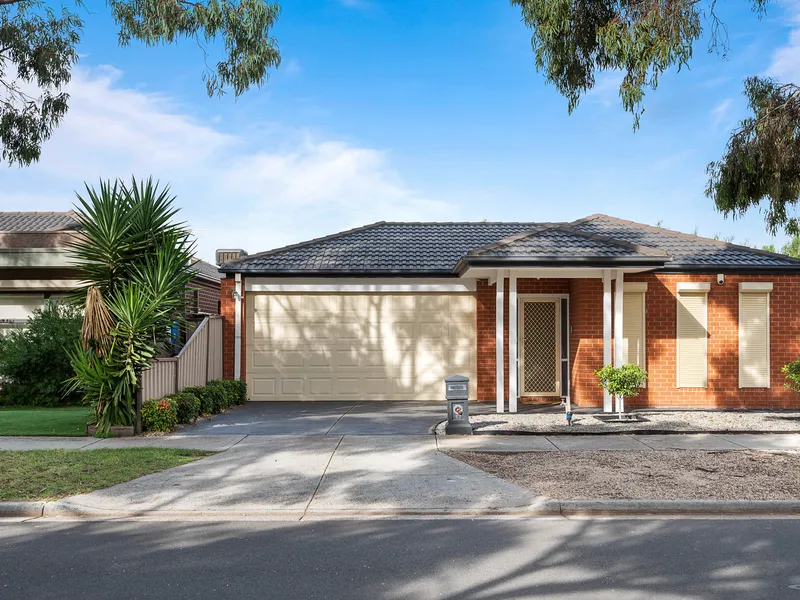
x=29 y=420
x=52 y=474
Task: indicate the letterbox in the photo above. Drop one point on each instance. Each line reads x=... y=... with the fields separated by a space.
x=456 y=392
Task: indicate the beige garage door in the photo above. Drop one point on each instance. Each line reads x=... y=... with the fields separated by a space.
x=358 y=346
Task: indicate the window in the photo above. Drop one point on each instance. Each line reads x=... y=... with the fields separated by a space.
x=633 y=325
x=754 y=335
x=692 y=335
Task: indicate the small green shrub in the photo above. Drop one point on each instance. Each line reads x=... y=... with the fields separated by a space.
x=241 y=390
x=792 y=373
x=33 y=361
x=187 y=406
x=159 y=415
x=625 y=381
x=206 y=399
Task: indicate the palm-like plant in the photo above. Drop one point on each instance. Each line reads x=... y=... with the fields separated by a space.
x=136 y=263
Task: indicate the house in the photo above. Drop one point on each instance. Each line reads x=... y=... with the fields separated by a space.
x=528 y=311
x=35 y=265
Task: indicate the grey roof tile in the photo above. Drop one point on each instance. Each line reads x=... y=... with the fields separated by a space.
x=437 y=248
x=685 y=249
x=37 y=221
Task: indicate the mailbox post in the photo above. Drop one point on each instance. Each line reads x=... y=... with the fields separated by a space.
x=456 y=391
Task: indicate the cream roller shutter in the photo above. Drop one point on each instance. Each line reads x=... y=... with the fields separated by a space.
x=633 y=348
x=753 y=340
x=692 y=339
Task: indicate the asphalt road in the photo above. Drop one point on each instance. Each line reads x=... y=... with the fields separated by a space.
x=486 y=559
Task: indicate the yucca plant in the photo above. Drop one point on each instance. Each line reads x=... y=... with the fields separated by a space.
x=135 y=260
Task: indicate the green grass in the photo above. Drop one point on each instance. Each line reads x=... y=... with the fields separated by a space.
x=29 y=420
x=52 y=474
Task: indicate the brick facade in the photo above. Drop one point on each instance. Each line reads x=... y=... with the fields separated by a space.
x=586 y=341
x=208 y=297
x=228 y=312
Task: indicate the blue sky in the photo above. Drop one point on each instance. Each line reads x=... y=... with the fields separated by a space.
x=428 y=110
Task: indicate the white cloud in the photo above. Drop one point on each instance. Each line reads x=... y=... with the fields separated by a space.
x=606 y=88
x=256 y=189
x=720 y=112
x=785 y=63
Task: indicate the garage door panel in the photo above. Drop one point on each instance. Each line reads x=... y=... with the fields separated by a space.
x=378 y=347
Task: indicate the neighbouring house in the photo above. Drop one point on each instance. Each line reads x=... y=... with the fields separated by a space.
x=35 y=265
x=528 y=311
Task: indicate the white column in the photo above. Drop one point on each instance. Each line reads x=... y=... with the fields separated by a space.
x=237 y=338
x=513 y=365
x=618 y=304
x=607 y=405
x=499 y=341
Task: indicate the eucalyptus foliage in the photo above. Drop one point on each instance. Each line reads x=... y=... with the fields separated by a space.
x=137 y=257
x=38 y=50
x=639 y=40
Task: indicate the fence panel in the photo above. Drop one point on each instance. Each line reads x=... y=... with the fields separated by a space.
x=198 y=362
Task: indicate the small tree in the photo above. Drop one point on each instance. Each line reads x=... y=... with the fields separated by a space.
x=33 y=359
x=136 y=261
x=792 y=373
x=625 y=381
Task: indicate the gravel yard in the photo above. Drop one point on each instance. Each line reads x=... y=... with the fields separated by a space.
x=678 y=421
x=647 y=475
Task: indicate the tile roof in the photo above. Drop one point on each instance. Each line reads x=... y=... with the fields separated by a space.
x=206 y=270
x=684 y=249
x=438 y=248
x=562 y=240
x=37 y=221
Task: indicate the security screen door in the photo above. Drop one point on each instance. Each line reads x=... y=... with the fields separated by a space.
x=540 y=362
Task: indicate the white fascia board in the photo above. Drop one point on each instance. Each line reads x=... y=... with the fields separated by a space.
x=693 y=286
x=35 y=257
x=755 y=286
x=635 y=286
x=40 y=284
x=362 y=286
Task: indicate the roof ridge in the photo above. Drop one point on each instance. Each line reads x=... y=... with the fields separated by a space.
x=323 y=238
x=691 y=236
x=511 y=239
x=567 y=228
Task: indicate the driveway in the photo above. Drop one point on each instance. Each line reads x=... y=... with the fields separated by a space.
x=329 y=418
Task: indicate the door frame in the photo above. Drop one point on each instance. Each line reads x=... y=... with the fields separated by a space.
x=560 y=352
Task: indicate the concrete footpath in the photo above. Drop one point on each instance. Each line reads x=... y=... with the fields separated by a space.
x=357 y=476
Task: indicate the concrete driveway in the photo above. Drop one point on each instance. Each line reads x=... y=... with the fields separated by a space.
x=329 y=418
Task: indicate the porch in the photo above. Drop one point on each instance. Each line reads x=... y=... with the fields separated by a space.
x=543 y=332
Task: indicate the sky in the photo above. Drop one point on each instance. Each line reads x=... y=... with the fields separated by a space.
x=416 y=111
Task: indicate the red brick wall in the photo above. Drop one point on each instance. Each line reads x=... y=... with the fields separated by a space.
x=228 y=312
x=586 y=340
x=208 y=296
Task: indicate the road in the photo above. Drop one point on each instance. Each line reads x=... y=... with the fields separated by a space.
x=402 y=559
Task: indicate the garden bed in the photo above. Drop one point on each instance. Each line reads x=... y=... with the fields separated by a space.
x=652 y=421
x=647 y=475
x=53 y=474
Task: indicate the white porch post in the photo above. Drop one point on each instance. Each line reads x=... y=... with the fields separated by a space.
x=237 y=337
x=618 y=304
x=607 y=405
x=512 y=342
x=499 y=341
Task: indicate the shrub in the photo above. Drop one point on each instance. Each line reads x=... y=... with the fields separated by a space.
x=187 y=406
x=229 y=393
x=241 y=391
x=33 y=361
x=205 y=396
x=159 y=415
x=792 y=373
x=625 y=381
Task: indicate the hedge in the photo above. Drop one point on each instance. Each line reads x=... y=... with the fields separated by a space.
x=216 y=396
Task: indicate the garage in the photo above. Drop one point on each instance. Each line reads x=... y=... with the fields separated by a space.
x=357 y=346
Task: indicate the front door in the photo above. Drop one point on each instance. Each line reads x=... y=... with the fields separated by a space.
x=540 y=347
